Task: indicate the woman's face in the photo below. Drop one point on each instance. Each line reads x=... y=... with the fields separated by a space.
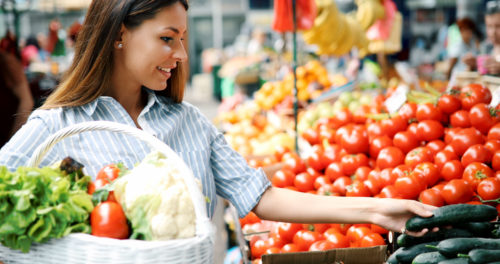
x=151 y=50
x=466 y=35
x=493 y=28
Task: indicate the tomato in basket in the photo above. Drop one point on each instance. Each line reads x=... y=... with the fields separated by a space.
x=110 y=172
x=108 y=220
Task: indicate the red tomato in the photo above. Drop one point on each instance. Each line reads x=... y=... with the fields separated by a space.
x=378 y=229
x=322 y=245
x=476 y=153
x=386 y=177
x=304 y=182
x=374 y=130
x=378 y=143
x=405 y=141
x=444 y=156
x=449 y=103
x=417 y=156
x=372 y=240
x=362 y=173
x=452 y=169
x=408 y=187
x=495 y=161
x=332 y=153
x=390 y=157
x=429 y=171
x=432 y=197
x=337 y=238
x=483 y=117
x=450 y=133
x=334 y=171
x=108 y=220
x=492 y=145
x=435 y=146
x=275 y=241
x=316 y=160
x=279 y=151
x=389 y=192
x=272 y=250
x=320 y=181
x=428 y=111
x=110 y=172
x=356 y=233
x=339 y=186
x=475 y=172
x=293 y=162
x=393 y=125
x=466 y=138
x=489 y=189
x=408 y=111
x=305 y=238
x=283 y=178
x=355 y=140
x=311 y=136
x=373 y=186
x=429 y=130
x=494 y=132
x=290 y=248
x=460 y=118
x=98 y=184
x=287 y=230
x=357 y=189
x=473 y=94
x=457 y=191
x=259 y=248
x=341 y=118
x=412 y=128
x=349 y=163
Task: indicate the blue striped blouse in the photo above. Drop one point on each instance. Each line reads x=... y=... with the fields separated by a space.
x=189 y=133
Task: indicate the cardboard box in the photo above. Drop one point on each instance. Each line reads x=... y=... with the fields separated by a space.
x=371 y=255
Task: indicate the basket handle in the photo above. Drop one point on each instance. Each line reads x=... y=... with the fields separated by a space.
x=202 y=220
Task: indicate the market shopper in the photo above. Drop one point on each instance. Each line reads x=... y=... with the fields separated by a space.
x=468 y=47
x=129 y=68
x=490 y=50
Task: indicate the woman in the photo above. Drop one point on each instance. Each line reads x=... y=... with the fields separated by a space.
x=130 y=69
x=492 y=47
x=469 y=46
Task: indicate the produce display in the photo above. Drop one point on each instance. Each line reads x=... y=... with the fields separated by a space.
x=441 y=148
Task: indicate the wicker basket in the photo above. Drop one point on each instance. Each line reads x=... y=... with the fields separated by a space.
x=84 y=248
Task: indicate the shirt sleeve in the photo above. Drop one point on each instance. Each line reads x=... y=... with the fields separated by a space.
x=22 y=145
x=235 y=181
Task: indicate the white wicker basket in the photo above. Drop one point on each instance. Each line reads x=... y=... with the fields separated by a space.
x=84 y=248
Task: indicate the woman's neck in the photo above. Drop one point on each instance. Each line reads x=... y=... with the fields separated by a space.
x=132 y=100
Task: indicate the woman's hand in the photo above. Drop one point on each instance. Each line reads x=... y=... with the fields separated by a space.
x=392 y=214
x=492 y=66
x=470 y=61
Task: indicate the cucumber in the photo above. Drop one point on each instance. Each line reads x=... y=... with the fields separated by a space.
x=479 y=256
x=455 y=261
x=479 y=229
x=429 y=258
x=409 y=253
x=405 y=240
x=453 y=214
x=454 y=246
x=393 y=257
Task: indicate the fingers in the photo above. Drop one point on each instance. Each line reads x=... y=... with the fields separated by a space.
x=423 y=210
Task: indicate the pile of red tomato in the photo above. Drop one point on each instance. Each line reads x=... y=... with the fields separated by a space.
x=442 y=153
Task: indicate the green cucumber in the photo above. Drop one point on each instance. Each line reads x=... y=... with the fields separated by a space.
x=479 y=256
x=455 y=261
x=479 y=229
x=429 y=258
x=409 y=253
x=454 y=246
x=453 y=214
x=393 y=257
x=405 y=240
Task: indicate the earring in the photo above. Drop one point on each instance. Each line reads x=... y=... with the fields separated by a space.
x=120 y=45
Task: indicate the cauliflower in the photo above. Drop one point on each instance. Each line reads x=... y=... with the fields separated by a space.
x=156 y=200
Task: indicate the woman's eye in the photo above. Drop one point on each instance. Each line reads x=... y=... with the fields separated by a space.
x=168 y=40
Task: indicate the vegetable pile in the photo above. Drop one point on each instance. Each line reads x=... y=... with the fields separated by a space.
x=37 y=204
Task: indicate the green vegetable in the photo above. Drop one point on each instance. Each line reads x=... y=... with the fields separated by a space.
x=479 y=229
x=409 y=253
x=429 y=258
x=405 y=240
x=454 y=246
x=37 y=204
x=453 y=214
x=455 y=261
x=479 y=256
x=393 y=257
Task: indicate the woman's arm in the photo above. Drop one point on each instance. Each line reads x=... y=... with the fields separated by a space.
x=280 y=204
x=451 y=65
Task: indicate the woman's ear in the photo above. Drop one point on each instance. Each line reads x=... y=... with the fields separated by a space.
x=120 y=38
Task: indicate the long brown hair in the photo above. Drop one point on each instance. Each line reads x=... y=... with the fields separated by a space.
x=90 y=73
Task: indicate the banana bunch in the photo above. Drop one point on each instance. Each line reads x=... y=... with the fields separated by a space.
x=334 y=32
x=368 y=12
